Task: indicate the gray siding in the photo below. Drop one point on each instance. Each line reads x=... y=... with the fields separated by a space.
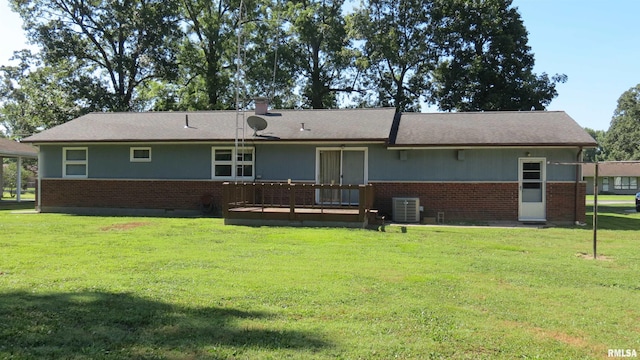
x=168 y=162
x=612 y=189
x=50 y=161
x=281 y=162
x=277 y=162
x=477 y=165
x=113 y=162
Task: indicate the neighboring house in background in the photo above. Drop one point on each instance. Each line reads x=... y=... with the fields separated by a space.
x=470 y=166
x=614 y=177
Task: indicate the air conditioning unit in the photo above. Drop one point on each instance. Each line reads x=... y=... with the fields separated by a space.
x=406 y=210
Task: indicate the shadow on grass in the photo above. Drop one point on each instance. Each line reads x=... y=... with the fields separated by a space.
x=615 y=217
x=14 y=205
x=109 y=325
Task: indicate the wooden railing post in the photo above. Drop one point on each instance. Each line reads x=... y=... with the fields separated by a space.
x=362 y=202
x=262 y=197
x=239 y=198
x=292 y=201
x=225 y=199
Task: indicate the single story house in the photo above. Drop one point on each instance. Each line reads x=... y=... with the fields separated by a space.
x=480 y=166
x=614 y=177
x=13 y=149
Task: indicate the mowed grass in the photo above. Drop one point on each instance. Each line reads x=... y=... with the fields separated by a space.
x=156 y=288
x=620 y=198
x=25 y=195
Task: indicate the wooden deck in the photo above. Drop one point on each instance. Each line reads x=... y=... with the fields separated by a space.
x=296 y=205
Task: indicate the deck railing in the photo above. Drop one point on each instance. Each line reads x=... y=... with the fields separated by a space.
x=320 y=197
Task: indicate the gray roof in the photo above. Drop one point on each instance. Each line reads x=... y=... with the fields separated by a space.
x=504 y=128
x=284 y=125
x=484 y=129
x=12 y=148
x=612 y=168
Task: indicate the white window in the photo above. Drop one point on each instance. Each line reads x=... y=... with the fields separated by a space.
x=227 y=165
x=625 y=183
x=605 y=184
x=140 y=154
x=74 y=162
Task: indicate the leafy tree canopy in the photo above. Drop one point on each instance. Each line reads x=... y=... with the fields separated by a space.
x=322 y=55
x=119 y=45
x=398 y=51
x=622 y=141
x=36 y=96
x=133 y=55
x=590 y=154
x=488 y=64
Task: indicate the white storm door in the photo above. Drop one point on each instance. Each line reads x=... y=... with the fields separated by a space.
x=532 y=185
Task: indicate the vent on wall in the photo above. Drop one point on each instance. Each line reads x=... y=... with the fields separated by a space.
x=406 y=210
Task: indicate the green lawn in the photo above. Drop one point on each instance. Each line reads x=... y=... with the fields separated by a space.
x=26 y=195
x=155 y=288
x=626 y=198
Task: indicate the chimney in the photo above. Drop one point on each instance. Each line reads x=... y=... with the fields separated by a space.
x=262 y=105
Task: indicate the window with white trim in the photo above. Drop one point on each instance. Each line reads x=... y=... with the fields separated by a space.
x=625 y=183
x=74 y=162
x=140 y=154
x=227 y=165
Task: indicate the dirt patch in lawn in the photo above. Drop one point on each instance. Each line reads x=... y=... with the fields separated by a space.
x=571 y=340
x=586 y=256
x=124 y=226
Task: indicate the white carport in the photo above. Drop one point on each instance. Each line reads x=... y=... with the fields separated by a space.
x=19 y=151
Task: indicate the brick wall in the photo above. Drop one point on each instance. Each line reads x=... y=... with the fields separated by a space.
x=129 y=194
x=459 y=201
x=561 y=202
x=480 y=201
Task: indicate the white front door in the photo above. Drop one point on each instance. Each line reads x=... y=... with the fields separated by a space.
x=532 y=185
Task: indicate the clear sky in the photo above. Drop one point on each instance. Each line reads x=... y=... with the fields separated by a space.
x=594 y=42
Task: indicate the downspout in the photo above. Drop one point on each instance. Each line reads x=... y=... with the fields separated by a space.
x=40 y=167
x=577 y=190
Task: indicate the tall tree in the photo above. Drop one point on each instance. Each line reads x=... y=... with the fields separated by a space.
x=488 y=64
x=119 y=44
x=207 y=53
x=590 y=154
x=623 y=137
x=322 y=51
x=398 y=50
x=208 y=56
x=36 y=96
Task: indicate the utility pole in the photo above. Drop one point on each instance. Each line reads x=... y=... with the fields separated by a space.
x=595 y=208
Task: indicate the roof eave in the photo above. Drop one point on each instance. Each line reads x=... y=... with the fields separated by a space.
x=18 y=154
x=494 y=145
x=200 y=140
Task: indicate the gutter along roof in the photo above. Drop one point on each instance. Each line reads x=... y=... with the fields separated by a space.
x=419 y=130
x=13 y=148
